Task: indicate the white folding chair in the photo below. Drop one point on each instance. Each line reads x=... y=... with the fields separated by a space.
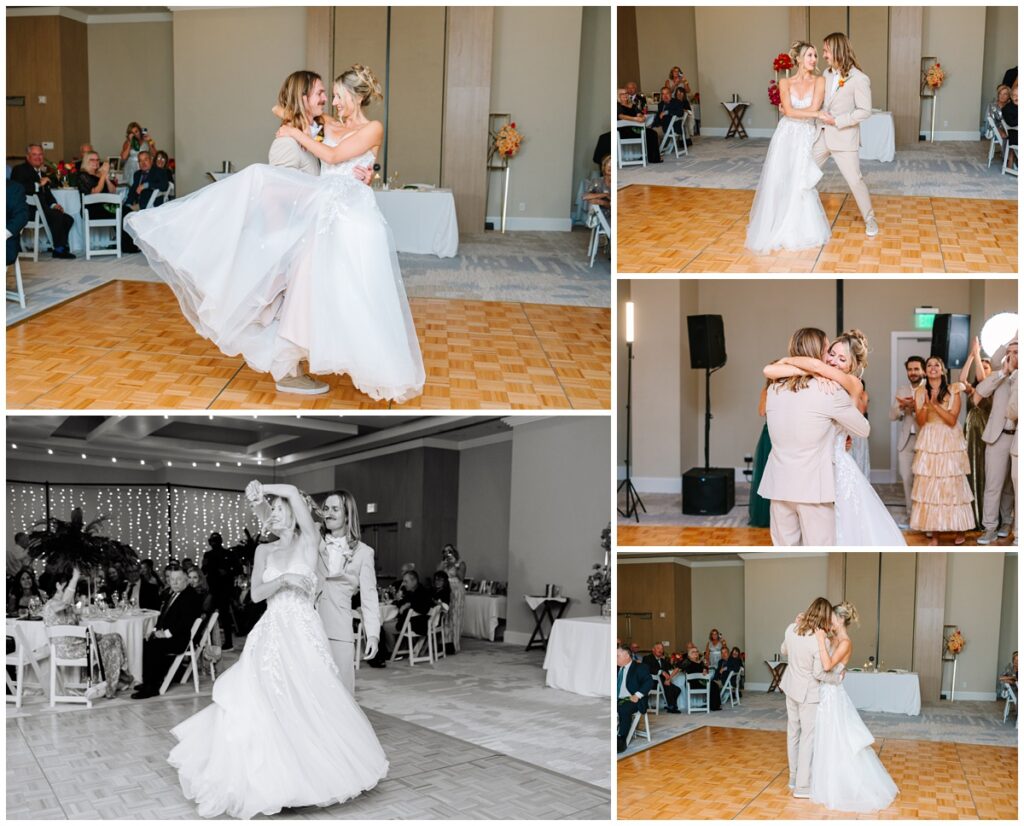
x=194 y=654
x=37 y=223
x=160 y=196
x=694 y=691
x=636 y=731
x=88 y=661
x=658 y=693
x=188 y=652
x=17 y=294
x=114 y=223
x=672 y=139
x=729 y=690
x=997 y=138
x=598 y=226
x=623 y=143
x=437 y=631
x=413 y=641
x=22 y=656
x=1009 y=149
x=1011 y=700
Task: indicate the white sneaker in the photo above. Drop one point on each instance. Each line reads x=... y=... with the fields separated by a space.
x=303 y=385
x=871 y=228
x=987 y=538
x=1002 y=533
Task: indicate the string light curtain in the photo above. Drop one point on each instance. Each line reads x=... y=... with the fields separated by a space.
x=150 y=518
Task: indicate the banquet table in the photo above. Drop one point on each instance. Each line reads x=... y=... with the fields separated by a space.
x=70 y=201
x=884 y=691
x=132 y=628
x=422 y=221
x=579 y=656
x=481 y=614
x=878 y=138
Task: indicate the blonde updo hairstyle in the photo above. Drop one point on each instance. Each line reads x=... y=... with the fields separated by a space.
x=796 y=51
x=361 y=83
x=857 y=346
x=846 y=611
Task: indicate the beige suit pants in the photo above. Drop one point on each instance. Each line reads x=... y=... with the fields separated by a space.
x=344 y=654
x=998 y=486
x=1013 y=478
x=802 y=523
x=849 y=165
x=800 y=742
x=906 y=462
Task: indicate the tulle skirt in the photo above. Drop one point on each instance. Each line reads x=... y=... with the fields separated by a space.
x=846 y=774
x=862 y=520
x=941 y=494
x=280 y=267
x=787 y=211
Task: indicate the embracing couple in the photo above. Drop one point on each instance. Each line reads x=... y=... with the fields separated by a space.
x=821 y=119
x=814 y=402
x=293 y=261
x=829 y=747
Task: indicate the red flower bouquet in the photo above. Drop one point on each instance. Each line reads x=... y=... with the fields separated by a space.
x=774 y=97
x=782 y=62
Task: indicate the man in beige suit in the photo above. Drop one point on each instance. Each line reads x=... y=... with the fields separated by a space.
x=804 y=672
x=799 y=477
x=999 y=434
x=903 y=410
x=1011 y=416
x=847 y=103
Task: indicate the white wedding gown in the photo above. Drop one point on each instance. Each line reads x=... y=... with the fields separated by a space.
x=282 y=730
x=787 y=211
x=861 y=516
x=280 y=266
x=846 y=774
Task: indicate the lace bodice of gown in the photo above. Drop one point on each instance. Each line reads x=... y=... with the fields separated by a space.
x=345 y=167
x=799 y=102
x=289 y=595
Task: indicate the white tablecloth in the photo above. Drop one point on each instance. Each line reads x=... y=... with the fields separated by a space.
x=480 y=616
x=536 y=602
x=579 y=656
x=70 y=201
x=132 y=628
x=878 y=138
x=422 y=222
x=894 y=693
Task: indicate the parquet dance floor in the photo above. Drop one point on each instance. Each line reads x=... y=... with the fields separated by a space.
x=727 y=773
x=666 y=535
x=666 y=229
x=127 y=345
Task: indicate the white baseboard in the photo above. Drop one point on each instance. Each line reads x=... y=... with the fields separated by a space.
x=658 y=484
x=951 y=136
x=752 y=131
x=516 y=638
x=749 y=686
x=970 y=695
x=535 y=224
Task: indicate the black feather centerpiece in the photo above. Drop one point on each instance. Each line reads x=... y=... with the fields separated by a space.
x=67 y=544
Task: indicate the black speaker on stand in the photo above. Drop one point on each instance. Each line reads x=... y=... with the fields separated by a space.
x=707 y=490
x=951 y=338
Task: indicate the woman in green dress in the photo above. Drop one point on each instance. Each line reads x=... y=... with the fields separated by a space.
x=760 y=508
x=978 y=409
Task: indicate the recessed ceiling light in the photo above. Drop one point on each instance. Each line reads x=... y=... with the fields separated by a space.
x=218 y=464
x=170 y=464
x=239 y=464
x=193 y=464
x=113 y=458
x=49 y=450
x=84 y=456
x=14 y=447
x=142 y=461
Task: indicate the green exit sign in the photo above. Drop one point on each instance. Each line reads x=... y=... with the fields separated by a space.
x=924 y=320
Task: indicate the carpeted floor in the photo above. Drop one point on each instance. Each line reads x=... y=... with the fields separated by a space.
x=967 y=721
x=529 y=267
x=947 y=169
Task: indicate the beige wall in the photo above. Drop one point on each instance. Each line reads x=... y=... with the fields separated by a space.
x=541 y=175
x=717 y=602
x=668 y=35
x=1000 y=50
x=118 y=96
x=1008 y=617
x=956 y=36
x=485 y=479
x=592 y=103
x=974 y=587
x=776 y=589
x=230 y=119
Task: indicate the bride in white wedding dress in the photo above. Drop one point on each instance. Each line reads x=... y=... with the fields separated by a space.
x=846 y=774
x=282 y=730
x=280 y=266
x=861 y=516
x=787 y=211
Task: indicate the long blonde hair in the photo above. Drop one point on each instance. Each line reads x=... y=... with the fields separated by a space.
x=351 y=510
x=843 y=57
x=818 y=615
x=857 y=346
x=809 y=342
x=295 y=87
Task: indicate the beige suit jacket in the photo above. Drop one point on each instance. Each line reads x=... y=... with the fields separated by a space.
x=799 y=468
x=1000 y=387
x=335 y=603
x=804 y=673
x=287 y=152
x=850 y=105
x=906 y=420
x=1011 y=413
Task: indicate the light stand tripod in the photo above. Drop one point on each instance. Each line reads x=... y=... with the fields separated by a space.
x=632 y=497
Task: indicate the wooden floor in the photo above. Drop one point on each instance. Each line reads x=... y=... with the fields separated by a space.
x=665 y=535
x=127 y=345
x=681 y=229
x=727 y=773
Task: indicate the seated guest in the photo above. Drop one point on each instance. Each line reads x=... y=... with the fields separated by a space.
x=143 y=590
x=187 y=564
x=669 y=107
x=995 y=108
x=414 y=597
x=21 y=589
x=634 y=652
x=680 y=95
x=17 y=557
x=146 y=183
x=197 y=582
x=1010 y=119
x=116 y=583
x=113 y=654
x=83 y=150
x=161 y=161
x=600 y=191
x=1009 y=677
x=17 y=217
x=93 y=179
x=636 y=98
x=633 y=683
x=731 y=663
x=442 y=588
x=693 y=665
x=661 y=669
x=35 y=178
x=628 y=111
x=170 y=637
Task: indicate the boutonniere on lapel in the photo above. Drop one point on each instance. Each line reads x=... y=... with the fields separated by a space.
x=842 y=80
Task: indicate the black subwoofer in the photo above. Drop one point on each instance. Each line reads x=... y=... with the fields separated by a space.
x=709 y=491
